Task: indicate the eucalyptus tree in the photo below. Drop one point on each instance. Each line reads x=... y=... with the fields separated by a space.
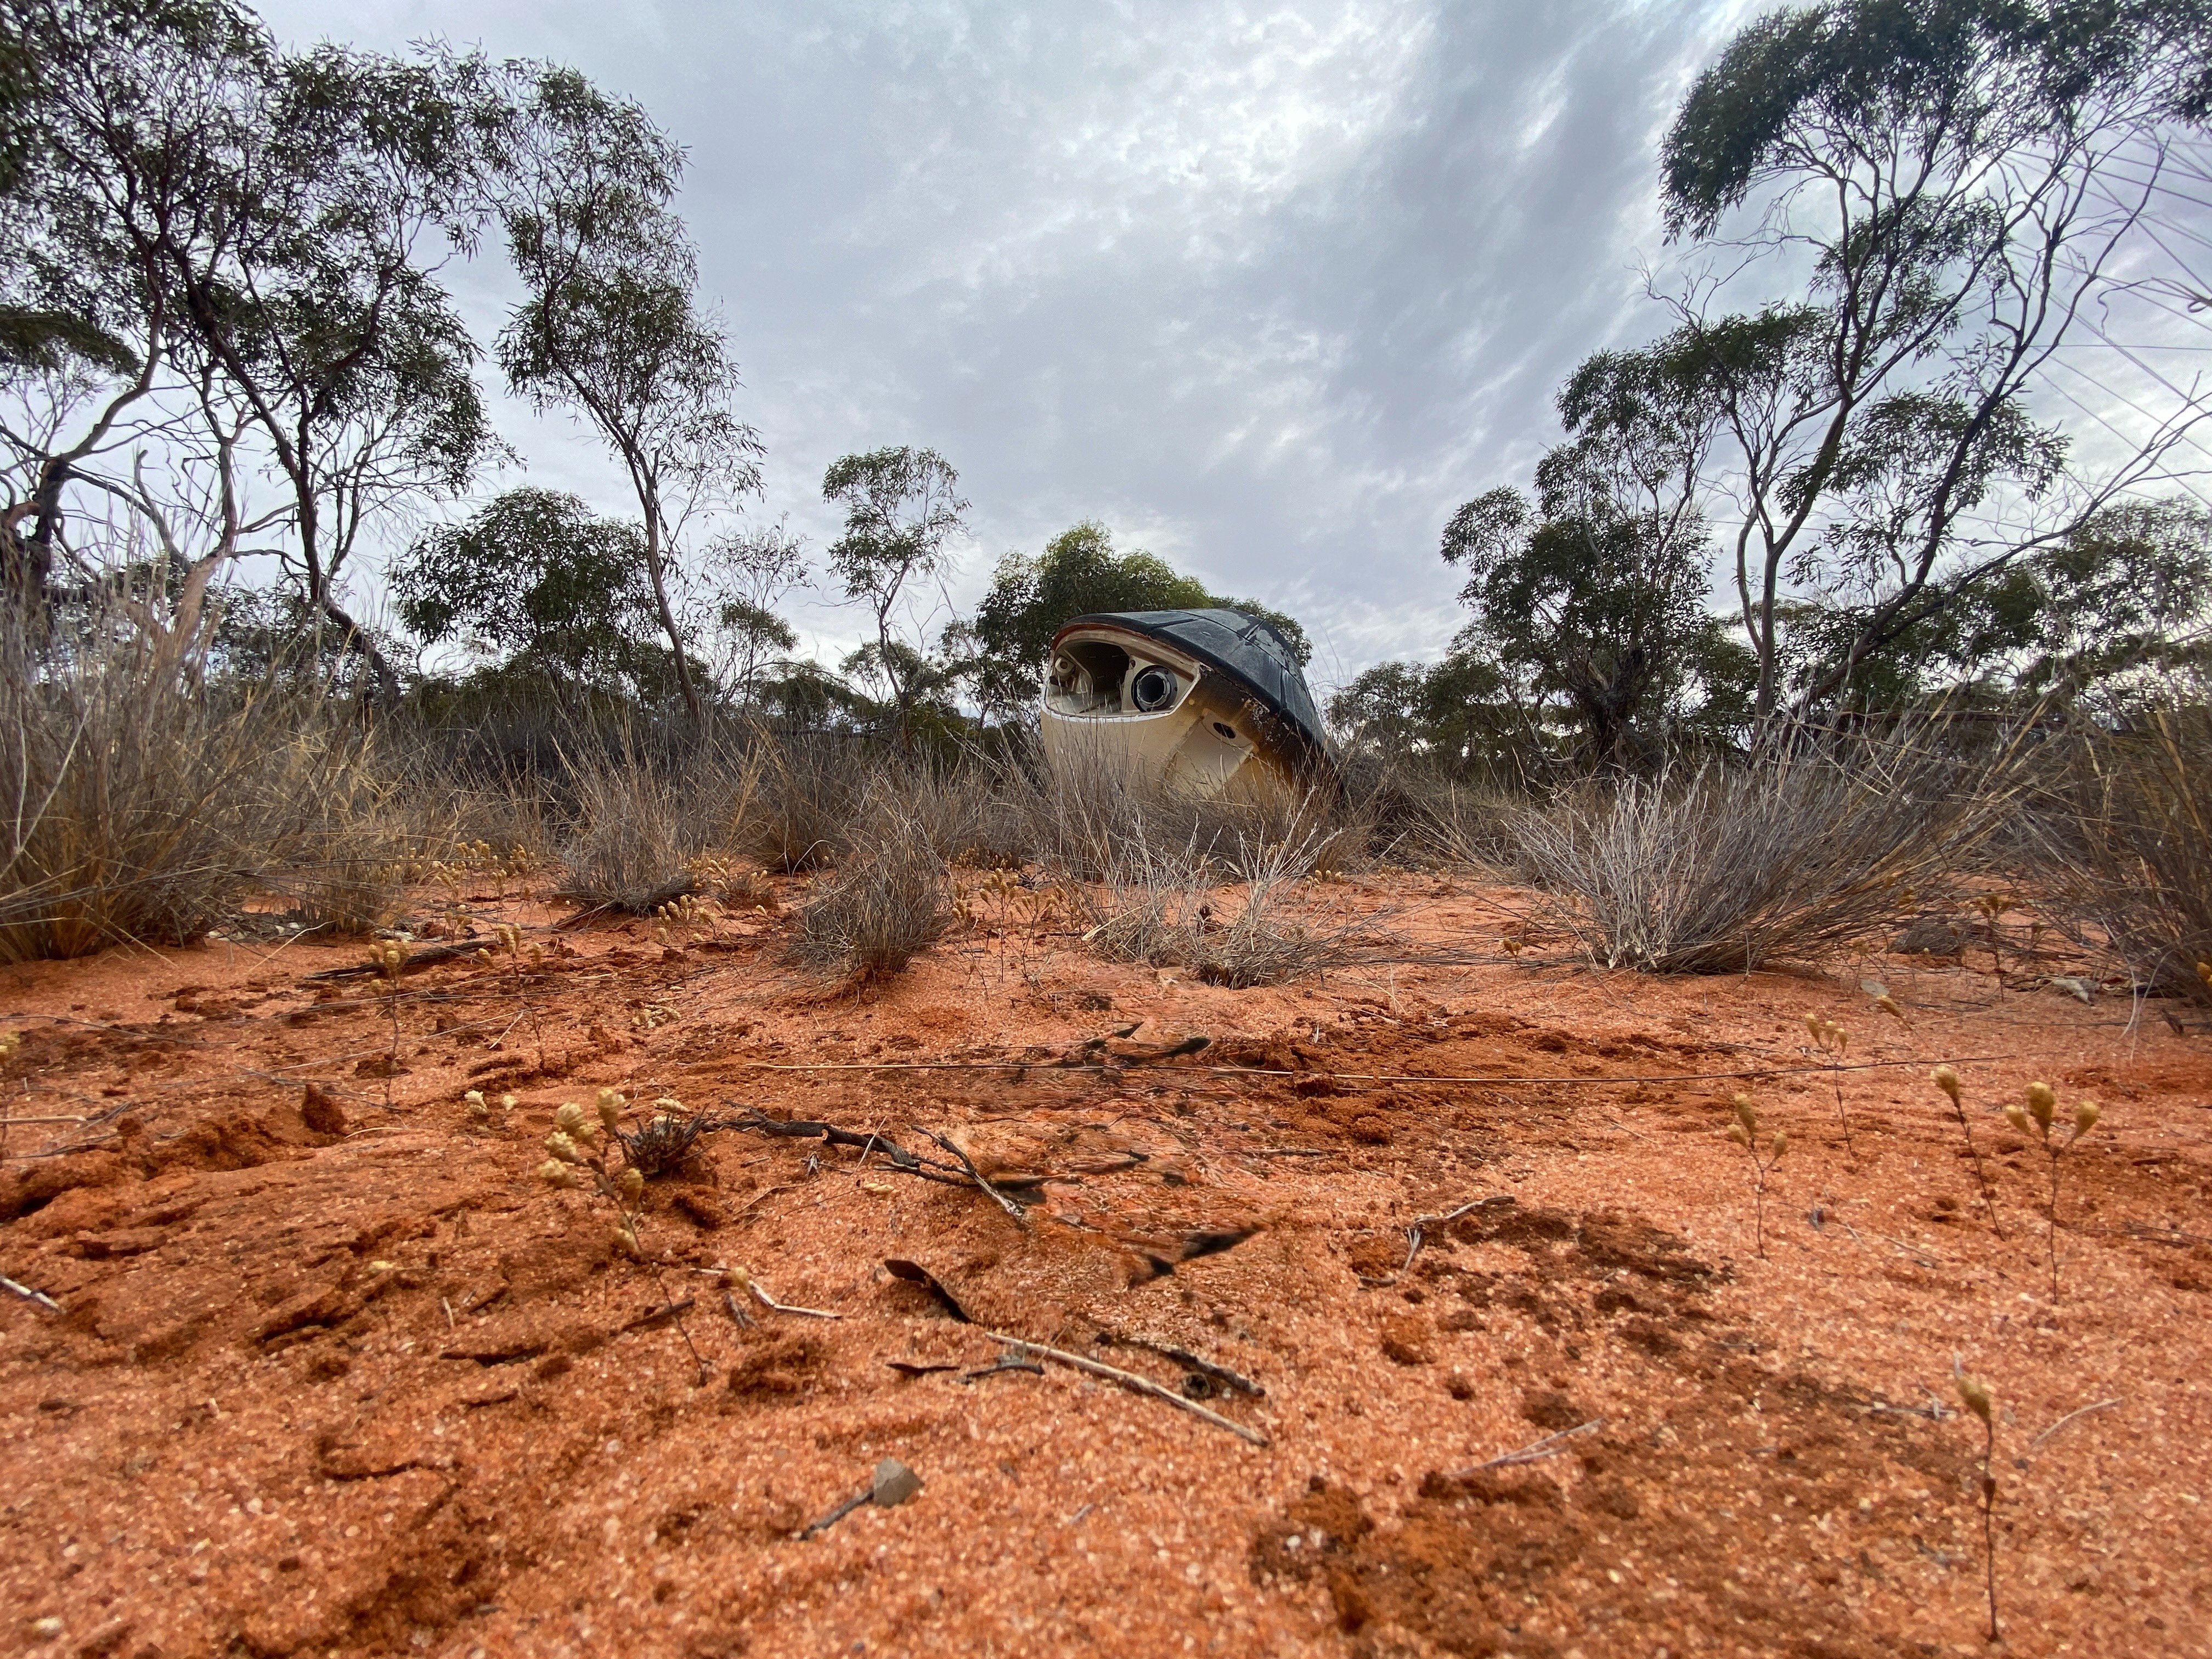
x=747 y=573
x=610 y=329
x=536 y=578
x=118 y=121
x=901 y=508
x=1959 y=181
x=220 y=226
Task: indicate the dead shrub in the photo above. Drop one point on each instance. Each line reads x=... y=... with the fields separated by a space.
x=1734 y=865
x=888 y=900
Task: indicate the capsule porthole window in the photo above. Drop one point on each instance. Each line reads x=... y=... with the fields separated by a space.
x=1153 y=690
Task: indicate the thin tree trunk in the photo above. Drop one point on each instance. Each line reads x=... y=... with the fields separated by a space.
x=685 y=687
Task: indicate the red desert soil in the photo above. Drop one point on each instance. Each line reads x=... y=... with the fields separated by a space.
x=329 y=1372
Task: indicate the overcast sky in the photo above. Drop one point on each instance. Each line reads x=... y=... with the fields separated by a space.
x=1268 y=289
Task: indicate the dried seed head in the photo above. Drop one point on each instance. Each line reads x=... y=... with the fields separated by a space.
x=626 y=1242
x=1744 y=1113
x=1947 y=1081
x=1889 y=1005
x=474 y=1097
x=1739 y=1134
x=1812 y=1024
x=2042 y=1103
x=570 y=1117
x=2016 y=1114
x=561 y=1147
x=2085 y=1117
x=1839 y=1039
x=506 y=1102
x=670 y=1105
x=554 y=1173
x=631 y=1183
x=1975 y=1395
x=610 y=1108
x=1781 y=1142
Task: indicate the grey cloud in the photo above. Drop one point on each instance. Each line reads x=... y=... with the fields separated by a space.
x=1270 y=290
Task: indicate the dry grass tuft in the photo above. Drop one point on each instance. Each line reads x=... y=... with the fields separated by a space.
x=888 y=902
x=1736 y=865
x=1166 y=907
x=2122 y=845
x=141 y=804
x=627 y=850
x=802 y=802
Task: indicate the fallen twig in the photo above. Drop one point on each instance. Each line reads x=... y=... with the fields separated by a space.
x=1413 y=1233
x=417 y=960
x=1131 y=1380
x=1535 y=1451
x=653 y=1318
x=1014 y=1359
x=760 y=1294
x=1016 y=1211
x=1191 y=1362
x=2102 y=1406
x=30 y=1295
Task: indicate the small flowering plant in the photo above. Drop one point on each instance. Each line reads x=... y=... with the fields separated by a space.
x=2038 y=1116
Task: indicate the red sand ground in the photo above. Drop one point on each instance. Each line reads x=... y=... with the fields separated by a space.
x=355 y=1382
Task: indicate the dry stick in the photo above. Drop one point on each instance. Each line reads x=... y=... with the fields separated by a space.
x=1015 y=1210
x=1413 y=1233
x=2102 y=1406
x=769 y=1302
x=30 y=1295
x=1131 y=1380
x=1049 y=1069
x=1534 y=1452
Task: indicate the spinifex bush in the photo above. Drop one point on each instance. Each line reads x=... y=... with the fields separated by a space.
x=631 y=842
x=1167 y=907
x=890 y=898
x=1786 y=856
x=804 y=801
x=2124 y=846
x=138 y=802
